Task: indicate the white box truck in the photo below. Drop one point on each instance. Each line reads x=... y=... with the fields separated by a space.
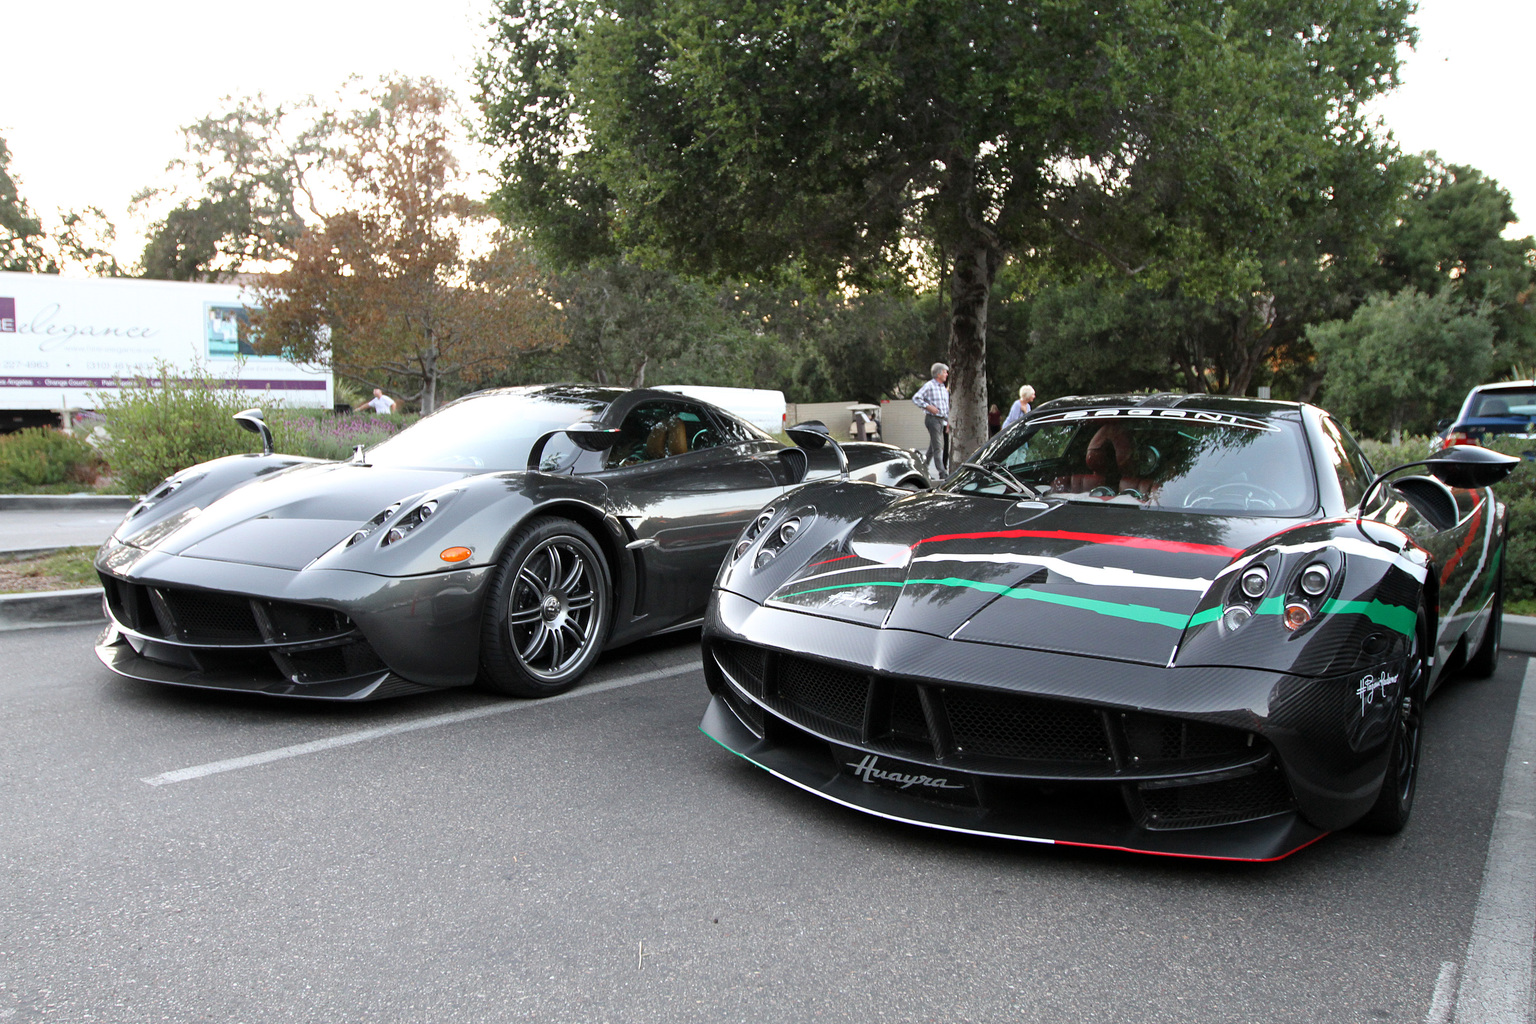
x=64 y=340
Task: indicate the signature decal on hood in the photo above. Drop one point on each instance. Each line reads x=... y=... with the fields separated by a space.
x=868 y=772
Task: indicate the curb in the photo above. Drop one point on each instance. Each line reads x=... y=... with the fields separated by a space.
x=57 y=608
x=13 y=502
x=1519 y=634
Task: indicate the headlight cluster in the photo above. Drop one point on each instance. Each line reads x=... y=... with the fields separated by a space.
x=1297 y=597
x=771 y=535
x=404 y=525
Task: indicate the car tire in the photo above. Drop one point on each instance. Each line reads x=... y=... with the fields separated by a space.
x=1485 y=659
x=547 y=610
x=1395 y=801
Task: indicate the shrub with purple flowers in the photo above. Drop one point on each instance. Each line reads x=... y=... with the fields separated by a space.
x=330 y=435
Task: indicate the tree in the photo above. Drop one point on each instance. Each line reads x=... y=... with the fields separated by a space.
x=1449 y=236
x=21 y=232
x=1401 y=359
x=1133 y=136
x=385 y=291
x=252 y=164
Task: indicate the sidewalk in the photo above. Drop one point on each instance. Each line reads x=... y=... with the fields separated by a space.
x=35 y=524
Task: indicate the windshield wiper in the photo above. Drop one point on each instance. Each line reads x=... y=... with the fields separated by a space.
x=1000 y=473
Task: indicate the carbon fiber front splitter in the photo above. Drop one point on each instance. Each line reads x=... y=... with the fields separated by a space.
x=881 y=787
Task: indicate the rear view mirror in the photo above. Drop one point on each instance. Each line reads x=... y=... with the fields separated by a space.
x=251 y=419
x=1469 y=466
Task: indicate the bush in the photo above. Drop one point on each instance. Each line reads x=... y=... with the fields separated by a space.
x=157 y=427
x=324 y=435
x=42 y=456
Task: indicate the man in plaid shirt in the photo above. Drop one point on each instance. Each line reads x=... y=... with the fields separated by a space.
x=933 y=399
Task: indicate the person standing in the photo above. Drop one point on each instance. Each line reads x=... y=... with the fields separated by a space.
x=1021 y=407
x=994 y=419
x=933 y=399
x=381 y=403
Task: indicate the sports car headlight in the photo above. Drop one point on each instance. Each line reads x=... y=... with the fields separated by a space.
x=164 y=489
x=408 y=522
x=754 y=530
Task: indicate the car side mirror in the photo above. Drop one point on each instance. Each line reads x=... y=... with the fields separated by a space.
x=589 y=437
x=1470 y=466
x=813 y=434
x=252 y=420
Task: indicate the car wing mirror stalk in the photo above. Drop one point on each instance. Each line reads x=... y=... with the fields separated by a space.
x=1464 y=465
x=589 y=437
x=814 y=434
x=252 y=420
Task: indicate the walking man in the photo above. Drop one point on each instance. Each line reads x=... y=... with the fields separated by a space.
x=933 y=399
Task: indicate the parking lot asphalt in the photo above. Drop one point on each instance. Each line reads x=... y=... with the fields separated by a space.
x=170 y=855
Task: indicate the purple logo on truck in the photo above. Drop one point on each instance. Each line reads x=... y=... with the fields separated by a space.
x=8 y=316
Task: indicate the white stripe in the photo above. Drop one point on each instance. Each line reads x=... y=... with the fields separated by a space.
x=1481 y=560
x=1443 y=1002
x=362 y=735
x=1092 y=575
x=1496 y=978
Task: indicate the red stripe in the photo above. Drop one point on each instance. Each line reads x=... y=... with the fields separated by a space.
x=1095 y=538
x=1190 y=856
x=829 y=561
x=1466 y=545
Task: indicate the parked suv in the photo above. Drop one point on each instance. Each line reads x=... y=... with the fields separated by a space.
x=1508 y=407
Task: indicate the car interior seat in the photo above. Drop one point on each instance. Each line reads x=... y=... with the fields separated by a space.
x=677 y=436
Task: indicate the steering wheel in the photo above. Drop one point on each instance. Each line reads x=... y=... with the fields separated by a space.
x=701 y=440
x=1229 y=495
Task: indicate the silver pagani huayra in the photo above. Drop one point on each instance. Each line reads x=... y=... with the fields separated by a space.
x=1180 y=625
x=508 y=538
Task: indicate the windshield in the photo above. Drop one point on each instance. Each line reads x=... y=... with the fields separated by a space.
x=1504 y=403
x=1218 y=465
x=491 y=432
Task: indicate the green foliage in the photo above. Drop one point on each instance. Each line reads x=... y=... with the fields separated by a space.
x=21 y=232
x=1449 y=237
x=157 y=426
x=251 y=164
x=42 y=456
x=1402 y=360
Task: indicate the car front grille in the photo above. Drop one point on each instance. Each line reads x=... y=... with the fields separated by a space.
x=1173 y=772
x=220 y=633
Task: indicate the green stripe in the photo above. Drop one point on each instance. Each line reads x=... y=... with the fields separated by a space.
x=1395 y=617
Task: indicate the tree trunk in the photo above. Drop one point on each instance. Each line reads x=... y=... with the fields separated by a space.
x=971 y=289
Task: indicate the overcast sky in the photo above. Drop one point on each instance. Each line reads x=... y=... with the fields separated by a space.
x=94 y=92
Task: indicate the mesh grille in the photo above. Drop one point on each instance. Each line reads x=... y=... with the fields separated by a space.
x=328 y=663
x=1005 y=725
x=746 y=664
x=1257 y=795
x=217 y=617
x=831 y=693
x=303 y=621
x=1158 y=738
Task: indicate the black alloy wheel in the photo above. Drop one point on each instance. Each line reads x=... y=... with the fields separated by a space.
x=1395 y=802
x=546 y=612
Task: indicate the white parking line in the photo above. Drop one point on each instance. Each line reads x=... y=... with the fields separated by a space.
x=1443 y=1003
x=1496 y=977
x=362 y=735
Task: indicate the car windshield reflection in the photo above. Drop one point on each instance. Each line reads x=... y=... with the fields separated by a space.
x=1167 y=462
x=488 y=433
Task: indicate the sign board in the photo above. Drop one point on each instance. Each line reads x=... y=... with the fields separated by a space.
x=63 y=340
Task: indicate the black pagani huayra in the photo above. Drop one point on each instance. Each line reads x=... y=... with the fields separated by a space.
x=1173 y=624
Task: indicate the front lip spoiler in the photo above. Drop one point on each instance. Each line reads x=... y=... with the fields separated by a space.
x=1264 y=840
x=115 y=653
